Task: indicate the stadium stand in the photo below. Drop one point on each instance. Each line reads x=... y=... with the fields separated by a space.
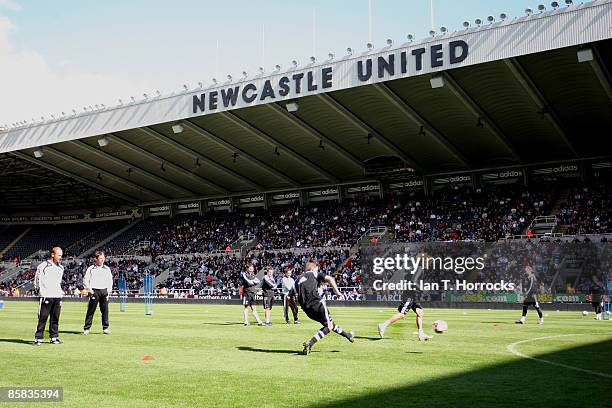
x=40 y=237
x=287 y=236
x=100 y=231
x=487 y=213
x=127 y=242
x=459 y=213
x=587 y=209
x=9 y=235
x=220 y=273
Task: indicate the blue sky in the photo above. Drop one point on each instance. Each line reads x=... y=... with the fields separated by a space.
x=72 y=53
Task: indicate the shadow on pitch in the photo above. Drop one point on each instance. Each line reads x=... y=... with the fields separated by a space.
x=517 y=383
x=225 y=324
x=17 y=341
x=368 y=338
x=498 y=322
x=70 y=332
x=258 y=350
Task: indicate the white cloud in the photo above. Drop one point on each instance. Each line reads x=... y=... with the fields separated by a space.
x=6 y=26
x=9 y=5
x=30 y=87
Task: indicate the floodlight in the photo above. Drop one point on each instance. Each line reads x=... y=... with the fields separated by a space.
x=437 y=81
x=103 y=141
x=177 y=128
x=585 y=55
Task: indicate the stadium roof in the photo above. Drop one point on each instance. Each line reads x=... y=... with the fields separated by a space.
x=515 y=92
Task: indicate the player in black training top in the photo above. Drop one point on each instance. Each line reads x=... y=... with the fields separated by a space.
x=249 y=290
x=314 y=305
x=597 y=293
x=268 y=285
x=531 y=295
x=406 y=306
x=409 y=302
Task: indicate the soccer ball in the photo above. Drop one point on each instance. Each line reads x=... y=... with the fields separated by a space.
x=440 y=326
x=584 y=313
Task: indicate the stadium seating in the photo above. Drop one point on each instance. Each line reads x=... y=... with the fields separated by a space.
x=142 y=231
x=485 y=214
x=8 y=234
x=587 y=209
x=287 y=236
x=221 y=273
x=43 y=237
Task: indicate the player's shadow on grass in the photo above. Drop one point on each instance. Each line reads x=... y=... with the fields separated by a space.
x=70 y=332
x=258 y=350
x=498 y=322
x=16 y=341
x=226 y=324
x=520 y=382
x=368 y=338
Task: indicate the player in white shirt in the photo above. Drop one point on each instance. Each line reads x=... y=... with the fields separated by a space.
x=98 y=281
x=48 y=285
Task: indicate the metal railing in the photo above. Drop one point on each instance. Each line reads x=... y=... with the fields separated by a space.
x=563 y=237
x=245 y=238
x=378 y=230
x=143 y=258
x=544 y=222
x=300 y=251
x=545 y=219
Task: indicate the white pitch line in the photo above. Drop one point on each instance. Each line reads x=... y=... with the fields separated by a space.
x=512 y=349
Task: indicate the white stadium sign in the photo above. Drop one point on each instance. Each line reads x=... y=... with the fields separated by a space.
x=492 y=42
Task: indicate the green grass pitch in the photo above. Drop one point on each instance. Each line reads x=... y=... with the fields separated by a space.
x=204 y=357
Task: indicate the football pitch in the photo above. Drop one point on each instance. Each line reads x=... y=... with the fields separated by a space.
x=205 y=357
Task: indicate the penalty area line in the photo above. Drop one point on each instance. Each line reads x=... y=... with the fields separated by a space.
x=512 y=349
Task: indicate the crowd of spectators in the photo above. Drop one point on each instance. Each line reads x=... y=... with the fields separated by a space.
x=319 y=225
x=451 y=213
x=462 y=213
x=12 y=286
x=221 y=274
x=287 y=236
x=587 y=209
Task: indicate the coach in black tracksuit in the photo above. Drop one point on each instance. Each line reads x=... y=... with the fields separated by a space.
x=48 y=285
x=98 y=281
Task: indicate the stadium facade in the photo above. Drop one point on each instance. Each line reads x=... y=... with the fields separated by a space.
x=518 y=98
